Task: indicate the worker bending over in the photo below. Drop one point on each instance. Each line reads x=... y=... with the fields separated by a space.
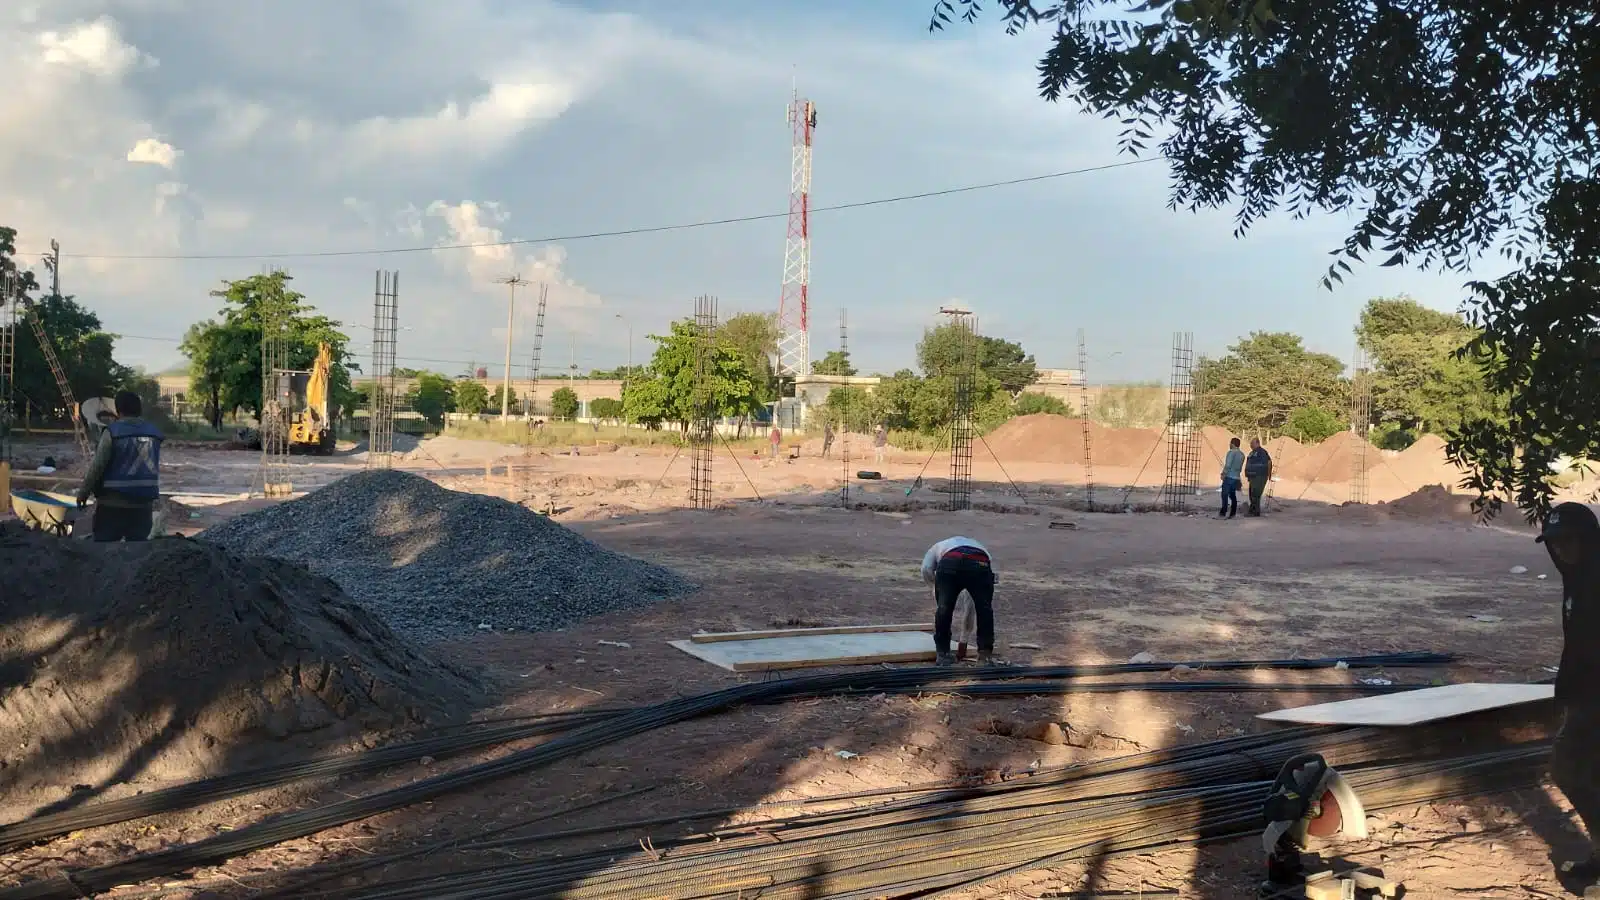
x=1571 y=534
x=952 y=566
x=125 y=475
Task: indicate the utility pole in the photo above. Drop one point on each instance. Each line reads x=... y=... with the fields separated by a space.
x=511 y=306
x=52 y=261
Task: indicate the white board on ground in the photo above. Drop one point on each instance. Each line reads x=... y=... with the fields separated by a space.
x=1415 y=707
x=810 y=651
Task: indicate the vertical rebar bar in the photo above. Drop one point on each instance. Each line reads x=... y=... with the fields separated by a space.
x=1360 y=423
x=1083 y=413
x=961 y=411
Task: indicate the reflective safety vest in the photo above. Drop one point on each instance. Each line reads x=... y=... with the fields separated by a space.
x=135 y=469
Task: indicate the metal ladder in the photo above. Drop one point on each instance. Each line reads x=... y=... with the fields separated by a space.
x=79 y=432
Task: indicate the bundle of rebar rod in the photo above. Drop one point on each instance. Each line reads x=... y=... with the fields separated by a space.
x=943 y=843
x=590 y=735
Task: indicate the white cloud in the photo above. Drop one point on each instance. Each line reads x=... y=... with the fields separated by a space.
x=491 y=260
x=155 y=153
x=482 y=128
x=93 y=47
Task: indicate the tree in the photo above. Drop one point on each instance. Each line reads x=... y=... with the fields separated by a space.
x=1420 y=381
x=1264 y=378
x=896 y=398
x=471 y=396
x=851 y=407
x=1032 y=403
x=754 y=338
x=564 y=403
x=671 y=391
x=608 y=409
x=1446 y=129
x=1003 y=362
x=84 y=350
x=1142 y=405
x=1312 y=424
x=433 y=396
x=225 y=356
x=836 y=362
x=513 y=405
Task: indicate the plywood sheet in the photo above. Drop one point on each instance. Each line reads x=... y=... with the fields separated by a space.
x=811 y=651
x=713 y=637
x=1415 y=707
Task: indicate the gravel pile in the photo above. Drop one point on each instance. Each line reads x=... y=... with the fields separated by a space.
x=439 y=563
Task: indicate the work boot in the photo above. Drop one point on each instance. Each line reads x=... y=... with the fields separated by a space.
x=988 y=661
x=944 y=659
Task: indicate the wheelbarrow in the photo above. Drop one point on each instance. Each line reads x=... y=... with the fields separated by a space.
x=46 y=510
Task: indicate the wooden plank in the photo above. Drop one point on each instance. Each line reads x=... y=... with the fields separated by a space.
x=1414 y=707
x=717 y=636
x=811 y=651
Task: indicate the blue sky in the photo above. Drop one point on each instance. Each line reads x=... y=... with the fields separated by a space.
x=190 y=128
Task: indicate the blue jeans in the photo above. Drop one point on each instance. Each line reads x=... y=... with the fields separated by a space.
x=1230 y=496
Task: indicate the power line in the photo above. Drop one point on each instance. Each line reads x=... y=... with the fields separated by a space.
x=624 y=232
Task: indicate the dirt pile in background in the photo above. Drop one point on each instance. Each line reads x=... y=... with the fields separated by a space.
x=1433 y=503
x=440 y=563
x=1049 y=438
x=174 y=658
x=1332 y=460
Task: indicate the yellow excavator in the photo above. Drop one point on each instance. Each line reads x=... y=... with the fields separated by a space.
x=310 y=428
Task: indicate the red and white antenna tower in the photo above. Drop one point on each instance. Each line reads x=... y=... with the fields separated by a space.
x=794 y=343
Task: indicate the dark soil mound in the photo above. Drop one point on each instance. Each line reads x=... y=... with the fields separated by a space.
x=171 y=659
x=438 y=563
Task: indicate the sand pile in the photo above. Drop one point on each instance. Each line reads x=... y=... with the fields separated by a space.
x=173 y=658
x=1433 y=503
x=438 y=563
x=1425 y=463
x=1049 y=438
x=1332 y=460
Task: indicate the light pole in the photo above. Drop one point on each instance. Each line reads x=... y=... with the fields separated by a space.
x=511 y=307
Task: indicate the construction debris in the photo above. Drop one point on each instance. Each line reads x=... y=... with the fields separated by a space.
x=164 y=660
x=437 y=563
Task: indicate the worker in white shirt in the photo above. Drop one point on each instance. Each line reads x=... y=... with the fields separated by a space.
x=955 y=566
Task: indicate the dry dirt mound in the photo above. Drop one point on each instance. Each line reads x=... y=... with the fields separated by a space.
x=438 y=563
x=1332 y=460
x=174 y=658
x=1433 y=503
x=1049 y=438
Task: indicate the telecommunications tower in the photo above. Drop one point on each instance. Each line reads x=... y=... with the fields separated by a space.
x=794 y=345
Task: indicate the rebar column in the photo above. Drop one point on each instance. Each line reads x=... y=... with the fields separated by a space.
x=1183 y=456
x=961 y=414
x=1360 y=424
x=385 y=334
x=703 y=427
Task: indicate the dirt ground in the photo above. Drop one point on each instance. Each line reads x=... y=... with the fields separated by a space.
x=1309 y=579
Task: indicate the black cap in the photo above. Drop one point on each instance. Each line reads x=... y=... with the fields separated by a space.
x=1569 y=518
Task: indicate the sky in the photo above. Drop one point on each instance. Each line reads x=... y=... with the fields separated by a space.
x=181 y=128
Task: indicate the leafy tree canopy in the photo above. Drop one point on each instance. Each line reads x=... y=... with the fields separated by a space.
x=754 y=338
x=225 y=355
x=1002 y=362
x=471 y=396
x=433 y=396
x=1312 y=424
x=564 y=403
x=608 y=408
x=670 y=393
x=1421 y=382
x=1447 y=130
x=836 y=362
x=1032 y=402
x=1265 y=377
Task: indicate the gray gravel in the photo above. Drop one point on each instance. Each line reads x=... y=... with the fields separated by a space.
x=440 y=563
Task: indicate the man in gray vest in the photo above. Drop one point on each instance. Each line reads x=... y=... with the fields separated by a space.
x=125 y=475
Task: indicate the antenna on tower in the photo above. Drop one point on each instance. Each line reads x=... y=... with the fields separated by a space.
x=794 y=301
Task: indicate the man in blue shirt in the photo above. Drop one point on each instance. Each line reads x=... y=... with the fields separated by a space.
x=125 y=475
x=1232 y=467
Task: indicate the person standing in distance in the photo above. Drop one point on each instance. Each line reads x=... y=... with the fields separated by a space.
x=1257 y=471
x=1571 y=535
x=1232 y=466
x=125 y=475
x=954 y=565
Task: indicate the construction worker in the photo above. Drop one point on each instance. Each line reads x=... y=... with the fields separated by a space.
x=880 y=442
x=827 y=437
x=125 y=475
x=1257 y=471
x=1232 y=466
x=1571 y=535
x=775 y=438
x=952 y=566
